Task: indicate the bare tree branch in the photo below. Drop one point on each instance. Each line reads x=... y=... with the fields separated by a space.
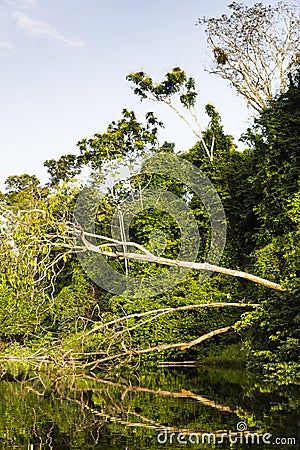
x=159 y=348
x=255 y=48
x=178 y=263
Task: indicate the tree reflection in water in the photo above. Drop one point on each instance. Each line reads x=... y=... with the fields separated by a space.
x=54 y=410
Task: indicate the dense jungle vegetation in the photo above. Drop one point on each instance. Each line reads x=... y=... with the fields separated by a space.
x=51 y=309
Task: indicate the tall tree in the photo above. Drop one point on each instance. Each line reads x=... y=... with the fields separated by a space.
x=175 y=86
x=255 y=48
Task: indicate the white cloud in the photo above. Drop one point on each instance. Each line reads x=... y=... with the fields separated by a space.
x=6 y=48
x=39 y=28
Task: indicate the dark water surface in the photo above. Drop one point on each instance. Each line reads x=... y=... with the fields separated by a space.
x=162 y=408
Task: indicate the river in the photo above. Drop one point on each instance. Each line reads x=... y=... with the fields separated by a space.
x=199 y=408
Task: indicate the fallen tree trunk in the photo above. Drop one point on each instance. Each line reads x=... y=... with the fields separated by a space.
x=156 y=313
x=159 y=348
x=195 y=265
x=146 y=256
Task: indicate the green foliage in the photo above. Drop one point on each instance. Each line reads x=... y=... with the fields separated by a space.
x=230 y=354
x=277 y=168
x=18 y=312
x=29 y=264
x=126 y=138
x=63 y=169
x=45 y=295
x=272 y=333
x=227 y=173
x=175 y=82
x=73 y=304
x=24 y=192
x=17 y=183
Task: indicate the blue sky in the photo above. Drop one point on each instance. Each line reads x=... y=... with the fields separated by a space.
x=63 y=68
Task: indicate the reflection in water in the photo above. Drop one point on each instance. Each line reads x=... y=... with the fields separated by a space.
x=55 y=411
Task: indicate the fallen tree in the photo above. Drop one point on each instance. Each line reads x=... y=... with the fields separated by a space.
x=149 y=257
x=69 y=239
